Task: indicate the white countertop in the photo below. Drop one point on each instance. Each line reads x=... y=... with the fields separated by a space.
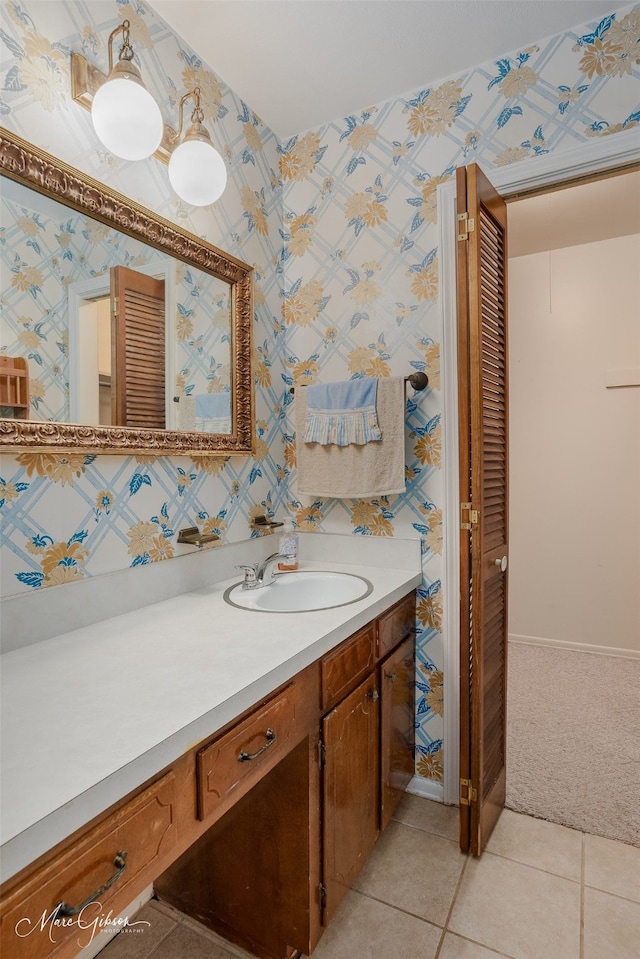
x=89 y=715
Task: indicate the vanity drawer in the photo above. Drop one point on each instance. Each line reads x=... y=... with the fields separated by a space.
x=230 y=765
x=342 y=669
x=33 y=923
x=397 y=624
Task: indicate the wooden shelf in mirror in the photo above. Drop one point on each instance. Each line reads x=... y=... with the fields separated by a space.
x=14 y=385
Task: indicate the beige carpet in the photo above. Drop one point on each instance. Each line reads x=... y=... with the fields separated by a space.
x=573 y=739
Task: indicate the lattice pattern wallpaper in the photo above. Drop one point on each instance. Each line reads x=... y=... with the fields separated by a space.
x=340 y=224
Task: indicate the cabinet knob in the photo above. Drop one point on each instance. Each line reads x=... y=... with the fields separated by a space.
x=373 y=695
x=392 y=675
x=502 y=563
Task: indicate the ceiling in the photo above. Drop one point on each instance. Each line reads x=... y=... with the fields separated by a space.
x=300 y=64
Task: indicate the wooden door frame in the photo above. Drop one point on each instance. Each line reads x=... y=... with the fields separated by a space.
x=607 y=155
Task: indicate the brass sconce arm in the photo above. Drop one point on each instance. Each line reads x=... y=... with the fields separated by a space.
x=126 y=50
x=196 y=117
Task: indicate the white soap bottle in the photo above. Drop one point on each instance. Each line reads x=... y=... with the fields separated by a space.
x=288 y=546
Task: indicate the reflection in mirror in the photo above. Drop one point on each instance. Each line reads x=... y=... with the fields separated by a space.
x=113 y=331
x=69 y=243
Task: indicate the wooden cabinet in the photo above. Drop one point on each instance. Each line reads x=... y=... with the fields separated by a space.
x=367 y=743
x=258 y=832
x=397 y=727
x=43 y=917
x=270 y=874
x=396 y=624
x=231 y=764
x=345 y=666
x=351 y=777
x=254 y=876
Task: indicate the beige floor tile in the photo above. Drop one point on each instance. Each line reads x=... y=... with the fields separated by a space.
x=429 y=815
x=187 y=942
x=140 y=939
x=613 y=867
x=363 y=927
x=611 y=926
x=535 y=842
x=454 y=947
x=513 y=908
x=414 y=870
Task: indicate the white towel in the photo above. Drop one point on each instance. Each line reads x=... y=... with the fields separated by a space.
x=187 y=413
x=212 y=413
x=356 y=472
x=211 y=406
x=192 y=410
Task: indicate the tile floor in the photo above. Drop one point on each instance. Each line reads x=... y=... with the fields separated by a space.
x=540 y=891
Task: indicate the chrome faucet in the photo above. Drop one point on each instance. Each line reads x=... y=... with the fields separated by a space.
x=261 y=574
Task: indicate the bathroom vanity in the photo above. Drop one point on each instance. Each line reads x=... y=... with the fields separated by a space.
x=243 y=763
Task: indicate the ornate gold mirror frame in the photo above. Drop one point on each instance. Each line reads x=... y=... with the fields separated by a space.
x=27 y=164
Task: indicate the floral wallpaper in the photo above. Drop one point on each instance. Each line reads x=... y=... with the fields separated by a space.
x=341 y=226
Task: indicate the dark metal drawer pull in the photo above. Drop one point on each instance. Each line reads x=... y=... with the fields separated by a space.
x=245 y=757
x=64 y=909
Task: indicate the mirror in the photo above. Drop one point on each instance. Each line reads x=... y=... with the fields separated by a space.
x=174 y=312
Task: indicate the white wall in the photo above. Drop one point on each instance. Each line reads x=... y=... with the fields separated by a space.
x=575 y=445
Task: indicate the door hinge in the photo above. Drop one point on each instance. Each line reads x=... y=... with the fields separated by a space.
x=322 y=754
x=115 y=305
x=466 y=225
x=468 y=793
x=323 y=897
x=472 y=517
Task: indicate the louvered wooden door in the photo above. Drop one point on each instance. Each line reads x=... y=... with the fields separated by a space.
x=482 y=371
x=137 y=350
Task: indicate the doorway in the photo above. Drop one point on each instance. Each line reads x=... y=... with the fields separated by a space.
x=575 y=471
x=545 y=173
x=574 y=353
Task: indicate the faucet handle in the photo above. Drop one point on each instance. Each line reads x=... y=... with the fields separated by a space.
x=250 y=574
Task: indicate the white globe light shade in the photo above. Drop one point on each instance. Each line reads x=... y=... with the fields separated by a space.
x=197 y=172
x=126 y=118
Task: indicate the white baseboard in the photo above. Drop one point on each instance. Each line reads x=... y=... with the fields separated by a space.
x=426 y=788
x=581 y=647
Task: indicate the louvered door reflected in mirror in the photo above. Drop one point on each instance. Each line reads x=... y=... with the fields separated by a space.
x=137 y=350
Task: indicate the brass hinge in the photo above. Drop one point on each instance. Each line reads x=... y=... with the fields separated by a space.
x=322 y=754
x=115 y=305
x=468 y=793
x=466 y=225
x=472 y=518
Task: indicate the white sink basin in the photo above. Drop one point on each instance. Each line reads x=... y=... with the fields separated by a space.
x=303 y=591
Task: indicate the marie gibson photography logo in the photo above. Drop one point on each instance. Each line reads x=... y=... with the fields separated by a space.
x=89 y=921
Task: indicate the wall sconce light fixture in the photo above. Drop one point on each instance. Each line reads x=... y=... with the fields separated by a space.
x=196 y=170
x=125 y=116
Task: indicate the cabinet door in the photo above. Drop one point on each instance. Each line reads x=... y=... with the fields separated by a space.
x=397 y=726
x=350 y=789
